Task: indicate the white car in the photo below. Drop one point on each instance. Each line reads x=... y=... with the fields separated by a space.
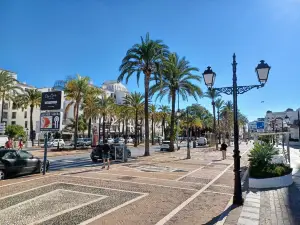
x=56 y=141
x=3 y=140
x=129 y=140
x=110 y=140
x=166 y=146
x=202 y=141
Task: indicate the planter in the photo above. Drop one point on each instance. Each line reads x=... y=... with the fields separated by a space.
x=274 y=182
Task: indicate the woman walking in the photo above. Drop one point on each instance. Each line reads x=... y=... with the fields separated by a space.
x=20 y=144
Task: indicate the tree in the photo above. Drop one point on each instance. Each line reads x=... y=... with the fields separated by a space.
x=8 y=89
x=75 y=90
x=145 y=58
x=153 y=120
x=135 y=102
x=164 y=112
x=176 y=77
x=219 y=105
x=15 y=131
x=31 y=98
x=242 y=121
x=81 y=124
x=212 y=94
x=227 y=115
x=89 y=107
x=105 y=106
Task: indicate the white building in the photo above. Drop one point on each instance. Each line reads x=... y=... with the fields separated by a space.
x=292 y=125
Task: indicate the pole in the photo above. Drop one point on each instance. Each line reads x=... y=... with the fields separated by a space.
x=298 y=127
x=282 y=135
x=177 y=122
x=237 y=198
x=45 y=154
x=214 y=124
x=188 y=135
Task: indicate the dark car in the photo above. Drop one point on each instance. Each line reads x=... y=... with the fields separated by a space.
x=96 y=154
x=15 y=162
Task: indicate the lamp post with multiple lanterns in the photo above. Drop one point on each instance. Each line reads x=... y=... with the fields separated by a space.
x=262 y=71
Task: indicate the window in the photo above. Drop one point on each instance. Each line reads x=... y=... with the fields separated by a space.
x=4 y=115
x=5 y=106
x=10 y=155
x=25 y=155
x=14 y=115
x=26 y=124
x=25 y=115
x=14 y=106
x=13 y=122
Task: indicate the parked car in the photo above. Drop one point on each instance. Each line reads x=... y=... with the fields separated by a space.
x=60 y=141
x=110 y=140
x=3 y=140
x=119 y=140
x=83 y=142
x=166 y=146
x=129 y=140
x=96 y=154
x=14 y=162
x=202 y=141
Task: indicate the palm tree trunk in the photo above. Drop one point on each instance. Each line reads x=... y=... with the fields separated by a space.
x=162 y=127
x=219 y=133
x=172 y=135
x=2 y=108
x=152 y=128
x=89 y=127
x=126 y=130
x=31 y=124
x=99 y=134
x=103 y=127
x=123 y=128
x=147 y=81
x=76 y=125
x=136 y=129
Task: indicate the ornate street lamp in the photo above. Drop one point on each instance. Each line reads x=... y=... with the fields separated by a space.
x=262 y=71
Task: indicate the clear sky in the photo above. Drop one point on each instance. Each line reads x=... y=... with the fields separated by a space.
x=46 y=40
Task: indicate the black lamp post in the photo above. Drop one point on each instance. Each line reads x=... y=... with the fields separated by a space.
x=262 y=71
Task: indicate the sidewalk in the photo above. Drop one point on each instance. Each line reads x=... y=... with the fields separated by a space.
x=271 y=206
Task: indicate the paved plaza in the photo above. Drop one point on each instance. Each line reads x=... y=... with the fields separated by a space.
x=164 y=188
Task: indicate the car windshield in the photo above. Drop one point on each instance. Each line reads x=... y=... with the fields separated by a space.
x=2 y=153
x=166 y=142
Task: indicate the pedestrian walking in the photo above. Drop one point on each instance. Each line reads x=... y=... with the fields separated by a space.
x=20 y=144
x=223 y=149
x=106 y=154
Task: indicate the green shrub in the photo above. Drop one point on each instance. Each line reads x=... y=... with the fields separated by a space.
x=265 y=138
x=269 y=171
x=261 y=155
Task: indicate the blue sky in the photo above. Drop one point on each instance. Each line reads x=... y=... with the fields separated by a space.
x=47 y=40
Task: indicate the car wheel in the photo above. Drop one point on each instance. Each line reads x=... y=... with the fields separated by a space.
x=128 y=154
x=2 y=175
x=41 y=170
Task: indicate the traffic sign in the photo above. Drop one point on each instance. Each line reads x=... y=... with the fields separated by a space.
x=2 y=127
x=51 y=100
x=50 y=121
x=260 y=126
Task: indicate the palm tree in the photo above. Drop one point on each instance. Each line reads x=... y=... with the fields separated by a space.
x=75 y=90
x=212 y=94
x=8 y=89
x=176 y=77
x=31 y=98
x=227 y=114
x=164 y=112
x=135 y=103
x=82 y=125
x=144 y=58
x=242 y=121
x=219 y=104
x=105 y=107
x=89 y=107
x=153 y=119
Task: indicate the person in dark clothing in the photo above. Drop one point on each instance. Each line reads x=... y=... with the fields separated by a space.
x=106 y=154
x=223 y=149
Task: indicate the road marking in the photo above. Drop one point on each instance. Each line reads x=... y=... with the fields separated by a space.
x=113 y=209
x=124 y=181
x=5 y=185
x=186 y=202
x=216 y=192
x=121 y=175
x=192 y=172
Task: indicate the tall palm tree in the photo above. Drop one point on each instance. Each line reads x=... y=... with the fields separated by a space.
x=153 y=119
x=89 y=107
x=135 y=102
x=145 y=58
x=242 y=121
x=82 y=125
x=105 y=107
x=8 y=89
x=75 y=90
x=227 y=114
x=31 y=98
x=164 y=112
x=176 y=77
x=212 y=94
x=219 y=105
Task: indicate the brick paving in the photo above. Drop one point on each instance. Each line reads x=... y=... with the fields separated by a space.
x=144 y=191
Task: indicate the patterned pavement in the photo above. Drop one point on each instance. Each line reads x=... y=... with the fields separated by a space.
x=164 y=188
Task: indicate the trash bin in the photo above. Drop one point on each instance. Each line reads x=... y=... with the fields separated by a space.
x=194 y=144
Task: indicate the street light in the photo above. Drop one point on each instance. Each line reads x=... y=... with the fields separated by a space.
x=262 y=71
